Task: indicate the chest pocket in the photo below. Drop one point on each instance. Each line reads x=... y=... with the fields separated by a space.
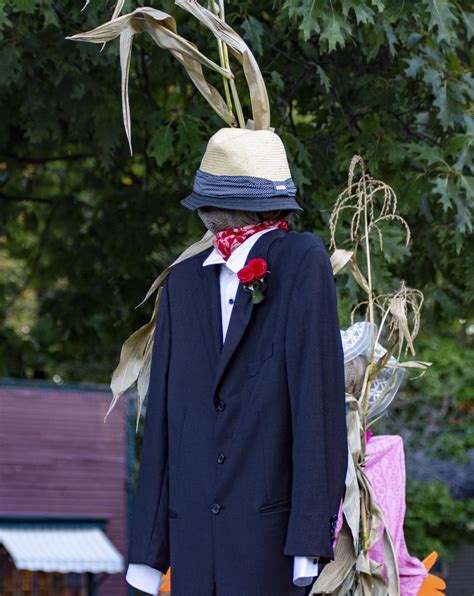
x=254 y=367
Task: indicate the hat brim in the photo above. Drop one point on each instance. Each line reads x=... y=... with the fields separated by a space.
x=194 y=200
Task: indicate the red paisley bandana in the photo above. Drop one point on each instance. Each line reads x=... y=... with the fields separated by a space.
x=228 y=240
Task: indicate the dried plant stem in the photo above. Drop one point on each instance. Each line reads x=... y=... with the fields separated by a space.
x=235 y=95
x=370 y=295
x=238 y=107
x=363 y=519
x=229 y=86
x=368 y=377
x=365 y=397
x=222 y=57
x=228 y=98
x=367 y=251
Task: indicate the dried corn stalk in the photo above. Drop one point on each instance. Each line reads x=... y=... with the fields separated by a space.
x=253 y=75
x=369 y=202
x=162 y=29
x=135 y=357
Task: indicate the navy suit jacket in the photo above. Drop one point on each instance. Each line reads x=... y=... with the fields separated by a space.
x=244 y=454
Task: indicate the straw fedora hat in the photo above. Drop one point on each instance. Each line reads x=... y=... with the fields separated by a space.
x=243 y=169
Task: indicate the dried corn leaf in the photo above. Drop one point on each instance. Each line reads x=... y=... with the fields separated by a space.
x=143 y=379
x=162 y=28
x=415 y=364
x=354 y=429
x=253 y=75
x=345 y=588
x=135 y=356
x=118 y=8
x=131 y=359
x=339 y=259
x=371 y=582
x=335 y=572
x=195 y=248
x=339 y=574
x=351 y=504
x=398 y=309
x=390 y=557
x=375 y=521
x=358 y=275
x=381 y=363
x=383 y=401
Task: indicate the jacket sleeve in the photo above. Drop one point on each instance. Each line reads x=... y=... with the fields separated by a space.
x=315 y=372
x=149 y=536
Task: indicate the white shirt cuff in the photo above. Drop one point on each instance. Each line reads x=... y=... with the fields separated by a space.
x=304 y=570
x=147 y=579
x=144 y=578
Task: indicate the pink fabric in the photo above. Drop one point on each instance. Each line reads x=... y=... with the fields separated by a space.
x=385 y=469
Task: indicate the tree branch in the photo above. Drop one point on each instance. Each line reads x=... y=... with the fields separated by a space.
x=46 y=159
x=4 y=197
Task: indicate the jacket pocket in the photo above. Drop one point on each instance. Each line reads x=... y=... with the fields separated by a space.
x=253 y=368
x=276 y=507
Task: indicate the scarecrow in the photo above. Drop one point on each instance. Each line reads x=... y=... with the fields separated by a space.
x=246 y=378
x=247 y=384
x=250 y=483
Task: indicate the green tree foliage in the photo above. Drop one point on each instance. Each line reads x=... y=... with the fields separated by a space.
x=85 y=227
x=437 y=407
x=434 y=520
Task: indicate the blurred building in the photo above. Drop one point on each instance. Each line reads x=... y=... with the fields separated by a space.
x=64 y=490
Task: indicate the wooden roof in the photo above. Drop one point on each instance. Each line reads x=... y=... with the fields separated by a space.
x=58 y=457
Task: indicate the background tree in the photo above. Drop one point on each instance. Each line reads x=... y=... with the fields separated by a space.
x=85 y=227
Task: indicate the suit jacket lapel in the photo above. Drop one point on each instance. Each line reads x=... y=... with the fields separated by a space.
x=243 y=307
x=207 y=304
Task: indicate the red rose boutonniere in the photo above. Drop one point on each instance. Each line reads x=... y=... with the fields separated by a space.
x=251 y=277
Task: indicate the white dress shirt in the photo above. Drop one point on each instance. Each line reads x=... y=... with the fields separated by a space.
x=305 y=569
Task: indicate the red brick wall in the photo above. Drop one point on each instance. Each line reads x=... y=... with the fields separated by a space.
x=58 y=458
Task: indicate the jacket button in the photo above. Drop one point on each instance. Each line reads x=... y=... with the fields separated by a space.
x=220 y=458
x=215 y=508
x=220 y=405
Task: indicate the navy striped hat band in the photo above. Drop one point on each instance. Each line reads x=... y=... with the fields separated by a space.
x=211 y=185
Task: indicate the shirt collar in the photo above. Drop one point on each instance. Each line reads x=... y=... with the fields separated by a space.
x=238 y=256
